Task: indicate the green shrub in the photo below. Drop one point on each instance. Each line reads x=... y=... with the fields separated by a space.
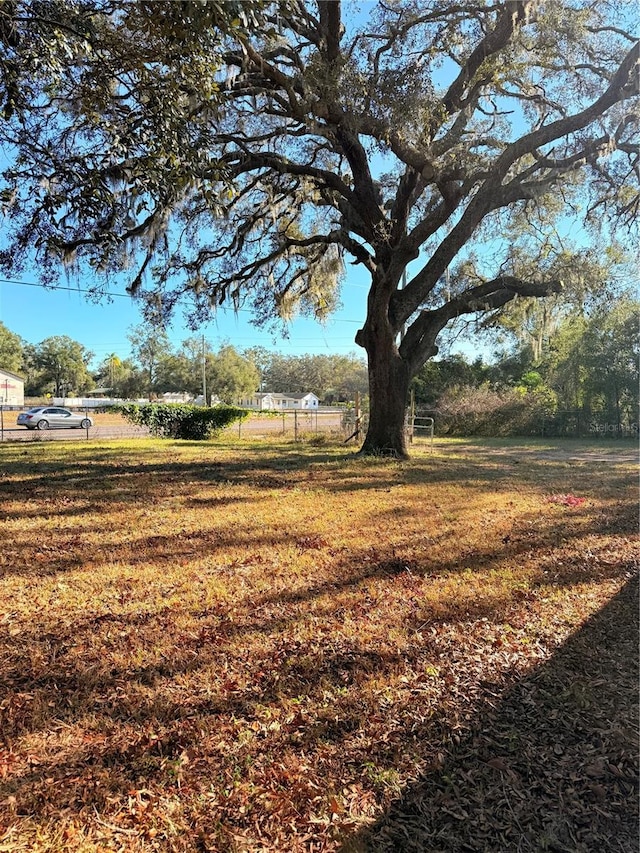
x=175 y=420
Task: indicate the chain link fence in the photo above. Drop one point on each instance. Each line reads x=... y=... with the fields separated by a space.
x=339 y=424
x=531 y=422
x=297 y=424
x=104 y=425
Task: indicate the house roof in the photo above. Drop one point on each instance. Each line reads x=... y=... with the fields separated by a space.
x=293 y=396
x=11 y=374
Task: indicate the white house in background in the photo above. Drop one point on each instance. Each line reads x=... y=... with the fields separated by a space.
x=177 y=397
x=11 y=388
x=272 y=402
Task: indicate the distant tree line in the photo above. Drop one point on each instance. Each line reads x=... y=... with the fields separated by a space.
x=61 y=367
x=552 y=366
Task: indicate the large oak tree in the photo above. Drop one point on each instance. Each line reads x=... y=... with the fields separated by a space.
x=406 y=138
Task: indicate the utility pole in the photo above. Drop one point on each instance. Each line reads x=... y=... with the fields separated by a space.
x=204 y=373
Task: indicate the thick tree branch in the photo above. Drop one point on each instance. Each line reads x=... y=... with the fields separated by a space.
x=421 y=335
x=330 y=26
x=244 y=162
x=513 y=15
x=621 y=87
x=491 y=195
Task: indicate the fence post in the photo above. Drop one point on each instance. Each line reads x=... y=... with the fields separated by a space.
x=412 y=415
x=295 y=424
x=1 y=422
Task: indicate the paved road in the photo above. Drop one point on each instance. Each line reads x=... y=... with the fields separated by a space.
x=96 y=432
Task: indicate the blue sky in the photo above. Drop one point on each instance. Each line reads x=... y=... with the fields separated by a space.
x=35 y=313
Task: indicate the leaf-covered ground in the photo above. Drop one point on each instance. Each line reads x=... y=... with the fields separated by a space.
x=247 y=648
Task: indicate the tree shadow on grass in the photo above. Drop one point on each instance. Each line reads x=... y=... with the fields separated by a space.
x=160 y=667
x=66 y=487
x=222 y=626
x=548 y=766
x=551 y=767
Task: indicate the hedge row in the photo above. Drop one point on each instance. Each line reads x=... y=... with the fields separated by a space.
x=175 y=420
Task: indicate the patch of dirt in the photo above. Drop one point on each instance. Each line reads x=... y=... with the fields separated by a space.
x=623 y=456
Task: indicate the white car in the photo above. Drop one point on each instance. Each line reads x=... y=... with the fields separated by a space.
x=52 y=417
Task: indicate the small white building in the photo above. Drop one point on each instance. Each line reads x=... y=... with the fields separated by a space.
x=272 y=402
x=177 y=397
x=11 y=388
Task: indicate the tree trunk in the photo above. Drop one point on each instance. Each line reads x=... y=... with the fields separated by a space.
x=388 y=390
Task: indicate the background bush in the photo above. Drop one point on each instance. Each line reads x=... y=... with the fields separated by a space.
x=465 y=410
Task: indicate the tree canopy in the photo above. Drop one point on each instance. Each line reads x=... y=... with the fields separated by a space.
x=58 y=366
x=11 y=350
x=439 y=146
x=97 y=101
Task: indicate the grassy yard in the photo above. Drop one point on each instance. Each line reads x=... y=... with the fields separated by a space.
x=258 y=647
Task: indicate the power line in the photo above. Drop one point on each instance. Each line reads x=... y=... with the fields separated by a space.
x=60 y=287
x=128 y=296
